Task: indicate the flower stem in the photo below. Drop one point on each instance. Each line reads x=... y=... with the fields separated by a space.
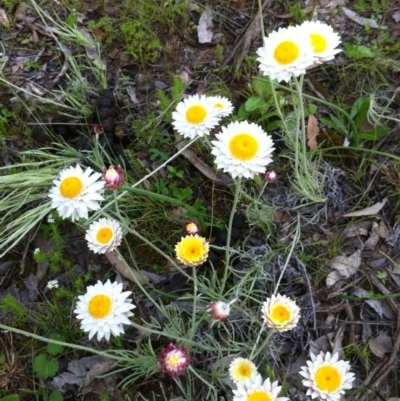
x=254 y=354
x=228 y=239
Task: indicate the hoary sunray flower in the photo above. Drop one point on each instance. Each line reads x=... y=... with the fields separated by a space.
x=223 y=105
x=104 y=235
x=195 y=116
x=323 y=39
x=104 y=309
x=76 y=192
x=242 y=149
x=326 y=377
x=287 y=52
x=242 y=370
x=220 y=310
x=192 y=250
x=258 y=390
x=174 y=360
x=280 y=313
x=113 y=177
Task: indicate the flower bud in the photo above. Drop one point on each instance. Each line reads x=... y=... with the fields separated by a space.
x=220 y=310
x=192 y=228
x=113 y=177
x=270 y=176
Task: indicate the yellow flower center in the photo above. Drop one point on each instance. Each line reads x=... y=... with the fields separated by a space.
x=104 y=235
x=259 y=396
x=219 y=105
x=328 y=378
x=71 y=187
x=318 y=42
x=173 y=361
x=196 y=114
x=280 y=314
x=244 y=371
x=100 y=306
x=243 y=147
x=191 y=249
x=286 y=52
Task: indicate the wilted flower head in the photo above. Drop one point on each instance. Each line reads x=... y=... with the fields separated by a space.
x=220 y=310
x=192 y=228
x=113 y=177
x=270 y=176
x=192 y=250
x=280 y=313
x=98 y=129
x=257 y=390
x=242 y=370
x=327 y=377
x=174 y=360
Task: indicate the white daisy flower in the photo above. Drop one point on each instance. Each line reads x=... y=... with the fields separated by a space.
x=76 y=192
x=104 y=235
x=242 y=149
x=104 y=309
x=52 y=284
x=280 y=313
x=323 y=39
x=257 y=390
x=195 y=116
x=327 y=377
x=223 y=105
x=242 y=370
x=286 y=53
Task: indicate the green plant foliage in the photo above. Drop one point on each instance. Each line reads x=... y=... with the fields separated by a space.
x=56 y=396
x=10 y=398
x=45 y=367
x=358 y=51
x=55 y=349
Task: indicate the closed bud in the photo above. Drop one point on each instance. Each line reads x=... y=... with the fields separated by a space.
x=113 y=177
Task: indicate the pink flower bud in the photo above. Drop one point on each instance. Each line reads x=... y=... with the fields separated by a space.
x=98 y=129
x=114 y=177
x=270 y=176
x=220 y=310
x=192 y=228
x=174 y=360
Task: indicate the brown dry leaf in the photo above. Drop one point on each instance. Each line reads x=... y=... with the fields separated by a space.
x=361 y=20
x=93 y=51
x=312 y=132
x=369 y=211
x=344 y=267
x=381 y=345
x=4 y=19
x=125 y=270
x=178 y=215
x=204 y=29
x=381 y=229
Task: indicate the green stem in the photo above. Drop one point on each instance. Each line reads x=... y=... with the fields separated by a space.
x=353 y=136
x=64 y=344
x=228 y=240
x=260 y=11
x=254 y=354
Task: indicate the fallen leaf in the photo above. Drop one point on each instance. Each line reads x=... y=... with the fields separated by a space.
x=4 y=19
x=204 y=29
x=381 y=229
x=396 y=16
x=381 y=345
x=125 y=270
x=312 y=132
x=361 y=20
x=371 y=242
x=344 y=267
x=93 y=51
x=379 y=306
x=369 y=211
x=178 y=215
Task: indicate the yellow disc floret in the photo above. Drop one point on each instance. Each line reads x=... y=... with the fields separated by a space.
x=259 y=396
x=286 y=52
x=280 y=314
x=318 y=42
x=243 y=147
x=328 y=378
x=100 y=306
x=104 y=235
x=196 y=114
x=71 y=187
